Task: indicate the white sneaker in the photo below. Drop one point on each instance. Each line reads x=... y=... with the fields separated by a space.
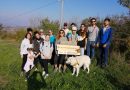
x=43 y=73
x=46 y=76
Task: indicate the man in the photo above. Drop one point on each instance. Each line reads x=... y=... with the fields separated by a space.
x=66 y=30
x=42 y=33
x=92 y=37
x=104 y=40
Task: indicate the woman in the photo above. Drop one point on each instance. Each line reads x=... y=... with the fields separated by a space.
x=36 y=46
x=61 y=39
x=46 y=49
x=26 y=42
x=82 y=38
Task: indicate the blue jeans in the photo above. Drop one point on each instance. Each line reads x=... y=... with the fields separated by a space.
x=104 y=55
x=90 y=49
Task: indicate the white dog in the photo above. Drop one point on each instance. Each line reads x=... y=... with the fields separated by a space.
x=77 y=62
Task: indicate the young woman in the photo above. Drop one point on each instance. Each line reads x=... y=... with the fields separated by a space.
x=82 y=38
x=46 y=49
x=23 y=49
x=36 y=46
x=61 y=39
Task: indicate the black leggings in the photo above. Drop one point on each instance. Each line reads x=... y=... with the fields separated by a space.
x=59 y=59
x=24 y=61
x=37 y=60
x=44 y=63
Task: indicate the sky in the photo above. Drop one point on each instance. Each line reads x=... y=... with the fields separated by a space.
x=27 y=12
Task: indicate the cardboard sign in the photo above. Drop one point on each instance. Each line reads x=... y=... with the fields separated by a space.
x=68 y=49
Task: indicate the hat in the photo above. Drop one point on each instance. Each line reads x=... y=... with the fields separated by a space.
x=41 y=30
x=74 y=28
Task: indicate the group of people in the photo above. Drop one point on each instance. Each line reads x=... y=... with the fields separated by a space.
x=40 y=48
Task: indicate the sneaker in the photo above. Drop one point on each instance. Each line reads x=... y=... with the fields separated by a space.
x=46 y=76
x=56 y=69
x=43 y=73
x=59 y=70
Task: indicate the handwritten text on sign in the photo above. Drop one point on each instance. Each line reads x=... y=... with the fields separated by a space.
x=68 y=49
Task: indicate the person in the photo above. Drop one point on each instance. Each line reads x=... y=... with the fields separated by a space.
x=74 y=34
x=30 y=59
x=30 y=30
x=52 y=41
x=92 y=38
x=23 y=50
x=82 y=38
x=70 y=40
x=46 y=49
x=104 y=40
x=52 y=37
x=41 y=32
x=73 y=25
x=60 y=58
x=65 y=28
x=36 y=46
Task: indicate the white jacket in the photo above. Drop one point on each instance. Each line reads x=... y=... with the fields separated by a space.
x=46 y=50
x=24 y=45
x=29 y=64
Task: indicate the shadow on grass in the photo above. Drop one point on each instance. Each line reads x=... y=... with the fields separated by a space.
x=34 y=83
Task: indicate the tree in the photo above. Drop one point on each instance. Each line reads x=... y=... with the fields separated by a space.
x=125 y=3
x=46 y=25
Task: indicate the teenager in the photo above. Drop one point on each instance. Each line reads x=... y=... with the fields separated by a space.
x=82 y=38
x=60 y=59
x=92 y=38
x=46 y=49
x=74 y=34
x=30 y=30
x=65 y=28
x=104 y=40
x=41 y=32
x=52 y=41
x=23 y=49
x=36 y=46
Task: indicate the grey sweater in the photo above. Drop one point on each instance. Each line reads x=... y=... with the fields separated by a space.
x=92 y=33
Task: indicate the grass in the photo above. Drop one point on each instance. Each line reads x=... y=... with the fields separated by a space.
x=115 y=76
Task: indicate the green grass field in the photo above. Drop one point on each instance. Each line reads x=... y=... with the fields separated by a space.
x=115 y=77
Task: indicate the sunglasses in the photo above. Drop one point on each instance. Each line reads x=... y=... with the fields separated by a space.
x=61 y=32
x=93 y=21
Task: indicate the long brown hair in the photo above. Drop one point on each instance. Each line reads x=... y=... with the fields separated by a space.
x=30 y=37
x=58 y=35
x=83 y=34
